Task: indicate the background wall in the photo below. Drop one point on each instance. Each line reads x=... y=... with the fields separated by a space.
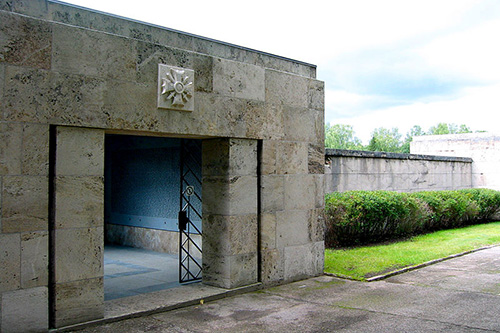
x=348 y=170
x=483 y=148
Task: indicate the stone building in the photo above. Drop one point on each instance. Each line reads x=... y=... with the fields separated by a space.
x=89 y=99
x=483 y=148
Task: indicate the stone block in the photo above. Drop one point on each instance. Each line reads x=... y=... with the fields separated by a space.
x=11 y=142
x=78 y=301
x=300 y=192
x=150 y=55
x=316 y=225
x=319 y=183
x=267 y=231
x=79 y=202
x=122 y=102
x=230 y=271
x=264 y=121
x=25 y=41
x=97 y=54
x=78 y=254
x=34 y=259
x=272 y=266
x=234 y=157
x=299 y=124
x=292 y=158
x=230 y=195
x=80 y=152
x=269 y=157
x=10 y=259
x=24 y=203
x=316 y=159
x=272 y=193
x=316 y=95
x=35 y=153
x=230 y=235
x=299 y=262
x=25 y=310
x=238 y=80
x=292 y=228
x=53 y=97
x=2 y=84
x=286 y=89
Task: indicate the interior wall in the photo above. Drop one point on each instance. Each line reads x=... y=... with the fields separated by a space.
x=142 y=187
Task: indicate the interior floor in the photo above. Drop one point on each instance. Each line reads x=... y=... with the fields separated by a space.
x=130 y=271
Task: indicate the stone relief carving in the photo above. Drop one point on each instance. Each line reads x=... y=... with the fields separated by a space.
x=175 y=88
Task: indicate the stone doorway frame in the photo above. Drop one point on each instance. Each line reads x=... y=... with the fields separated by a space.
x=76 y=186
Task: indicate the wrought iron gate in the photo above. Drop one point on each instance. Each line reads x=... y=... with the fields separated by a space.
x=190 y=212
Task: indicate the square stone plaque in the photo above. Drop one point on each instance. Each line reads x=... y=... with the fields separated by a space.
x=175 y=88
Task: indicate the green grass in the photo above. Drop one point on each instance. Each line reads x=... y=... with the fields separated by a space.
x=365 y=262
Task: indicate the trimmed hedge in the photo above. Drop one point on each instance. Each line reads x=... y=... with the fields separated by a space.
x=360 y=217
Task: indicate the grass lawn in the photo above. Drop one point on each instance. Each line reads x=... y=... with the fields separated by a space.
x=364 y=262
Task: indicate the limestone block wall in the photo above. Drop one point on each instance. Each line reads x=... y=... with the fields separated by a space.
x=483 y=148
x=348 y=170
x=68 y=77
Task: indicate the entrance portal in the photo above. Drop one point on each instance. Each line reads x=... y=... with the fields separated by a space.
x=151 y=184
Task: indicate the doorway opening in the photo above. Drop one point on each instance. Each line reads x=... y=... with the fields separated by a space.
x=152 y=212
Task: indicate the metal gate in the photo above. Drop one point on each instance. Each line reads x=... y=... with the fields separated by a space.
x=190 y=212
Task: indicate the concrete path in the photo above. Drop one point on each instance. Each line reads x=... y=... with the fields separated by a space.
x=457 y=295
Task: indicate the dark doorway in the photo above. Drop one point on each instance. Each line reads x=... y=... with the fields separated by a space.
x=144 y=187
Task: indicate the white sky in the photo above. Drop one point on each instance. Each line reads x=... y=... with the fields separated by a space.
x=385 y=63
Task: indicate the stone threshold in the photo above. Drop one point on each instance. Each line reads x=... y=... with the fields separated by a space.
x=160 y=301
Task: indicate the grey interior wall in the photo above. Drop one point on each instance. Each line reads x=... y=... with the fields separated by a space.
x=142 y=182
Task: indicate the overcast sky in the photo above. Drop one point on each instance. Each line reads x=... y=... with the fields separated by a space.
x=385 y=63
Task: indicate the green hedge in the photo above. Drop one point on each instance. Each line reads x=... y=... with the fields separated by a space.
x=360 y=217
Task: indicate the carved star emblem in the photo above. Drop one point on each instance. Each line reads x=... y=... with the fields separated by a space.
x=177 y=86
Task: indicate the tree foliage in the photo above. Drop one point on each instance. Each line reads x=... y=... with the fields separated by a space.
x=341 y=136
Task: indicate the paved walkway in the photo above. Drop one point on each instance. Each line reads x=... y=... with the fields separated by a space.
x=457 y=295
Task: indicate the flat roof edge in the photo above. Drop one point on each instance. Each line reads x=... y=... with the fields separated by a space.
x=183 y=33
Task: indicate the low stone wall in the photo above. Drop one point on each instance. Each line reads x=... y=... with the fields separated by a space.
x=348 y=170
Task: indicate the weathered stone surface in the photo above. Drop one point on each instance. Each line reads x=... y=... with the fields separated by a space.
x=78 y=254
x=267 y=231
x=230 y=157
x=269 y=157
x=235 y=195
x=230 y=271
x=78 y=301
x=52 y=97
x=77 y=159
x=80 y=202
x=292 y=228
x=299 y=192
x=35 y=151
x=25 y=310
x=286 y=89
x=292 y=157
x=238 y=80
x=230 y=235
x=272 y=266
x=316 y=225
x=114 y=58
x=316 y=159
x=25 y=41
x=34 y=259
x=11 y=141
x=10 y=259
x=316 y=95
x=272 y=193
x=24 y=203
x=298 y=124
x=299 y=262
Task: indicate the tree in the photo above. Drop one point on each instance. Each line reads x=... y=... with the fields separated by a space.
x=340 y=136
x=416 y=130
x=383 y=139
x=443 y=128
